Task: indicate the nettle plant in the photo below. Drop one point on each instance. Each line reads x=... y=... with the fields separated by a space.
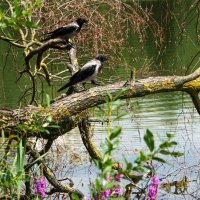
x=109 y=184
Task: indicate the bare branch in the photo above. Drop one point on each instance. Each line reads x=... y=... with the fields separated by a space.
x=12 y=41
x=50 y=177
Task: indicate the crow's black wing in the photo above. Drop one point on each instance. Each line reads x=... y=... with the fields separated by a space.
x=82 y=74
x=62 y=31
x=59 y=32
x=79 y=76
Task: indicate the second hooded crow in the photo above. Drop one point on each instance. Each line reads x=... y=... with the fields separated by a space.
x=66 y=32
x=87 y=73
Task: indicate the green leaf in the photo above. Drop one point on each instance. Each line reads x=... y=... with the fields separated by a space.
x=107 y=100
x=49 y=118
x=138 y=169
x=149 y=139
x=170 y=135
x=106 y=157
x=115 y=144
x=98 y=186
x=32 y=163
x=1 y=15
x=107 y=169
x=110 y=185
x=3 y=25
x=14 y=16
x=118 y=94
x=16 y=6
x=120 y=116
x=165 y=152
x=159 y=159
x=53 y=126
x=128 y=164
x=168 y=144
x=137 y=160
x=38 y=3
x=117 y=104
x=109 y=147
x=46 y=124
x=141 y=158
x=29 y=24
x=173 y=143
x=115 y=133
x=75 y=196
x=20 y=166
x=176 y=153
x=47 y=101
x=9 y=176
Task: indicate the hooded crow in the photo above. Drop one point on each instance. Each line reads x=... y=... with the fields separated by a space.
x=87 y=73
x=66 y=32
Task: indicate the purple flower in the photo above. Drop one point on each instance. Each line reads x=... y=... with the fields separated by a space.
x=117 y=191
x=153 y=188
x=107 y=178
x=89 y=198
x=119 y=177
x=40 y=187
x=105 y=194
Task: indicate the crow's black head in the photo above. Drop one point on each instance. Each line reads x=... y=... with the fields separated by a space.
x=102 y=58
x=81 y=21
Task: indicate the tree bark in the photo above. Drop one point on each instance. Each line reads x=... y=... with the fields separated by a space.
x=67 y=111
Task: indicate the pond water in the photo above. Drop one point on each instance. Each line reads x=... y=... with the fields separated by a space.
x=161 y=113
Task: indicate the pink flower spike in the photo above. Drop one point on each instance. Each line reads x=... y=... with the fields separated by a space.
x=153 y=188
x=119 y=177
x=117 y=191
x=40 y=187
x=105 y=194
x=107 y=178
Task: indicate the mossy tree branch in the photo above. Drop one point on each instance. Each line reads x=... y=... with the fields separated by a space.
x=66 y=111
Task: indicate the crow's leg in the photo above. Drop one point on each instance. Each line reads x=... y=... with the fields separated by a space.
x=131 y=80
x=71 y=45
x=84 y=86
x=96 y=82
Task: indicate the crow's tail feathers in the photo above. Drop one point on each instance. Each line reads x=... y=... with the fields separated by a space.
x=65 y=86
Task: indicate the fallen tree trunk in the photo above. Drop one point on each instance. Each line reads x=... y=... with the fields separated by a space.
x=67 y=111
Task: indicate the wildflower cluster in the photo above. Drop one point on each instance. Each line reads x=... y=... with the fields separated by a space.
x=40 y=186
x=153 y=188
x=112 y=188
